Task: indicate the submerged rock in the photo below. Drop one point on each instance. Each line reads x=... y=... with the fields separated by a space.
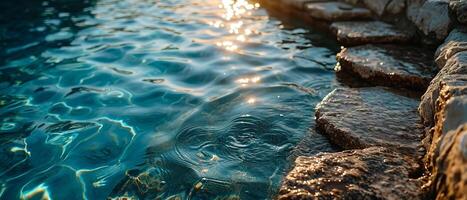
x=388 y=65
x=335 y=11
x=372 y=173
x=357 y=118
x=450 y=176
x=364 y=32
x=454 y=43
x=456 y=65
x=311 y=144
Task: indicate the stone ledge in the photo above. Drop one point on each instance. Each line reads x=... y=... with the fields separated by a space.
x=388 y=65
x=352 y=33
x=372 y=173
x=366 y=117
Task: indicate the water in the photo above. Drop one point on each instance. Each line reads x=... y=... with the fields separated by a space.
x=168 y=99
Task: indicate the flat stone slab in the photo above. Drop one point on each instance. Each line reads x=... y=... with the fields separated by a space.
x=357 y=118
x=299 y=4
x=366 y=32
x=372 y=173
x=389 y=65
x=336 y=11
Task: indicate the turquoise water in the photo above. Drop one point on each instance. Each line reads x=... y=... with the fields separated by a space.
x=165 y=99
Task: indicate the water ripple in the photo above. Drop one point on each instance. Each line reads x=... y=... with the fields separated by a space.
x=174 y=99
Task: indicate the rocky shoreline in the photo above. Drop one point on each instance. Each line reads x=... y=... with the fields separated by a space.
x=396 y=144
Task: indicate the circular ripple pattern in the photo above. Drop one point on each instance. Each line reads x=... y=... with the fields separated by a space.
x=172 y=99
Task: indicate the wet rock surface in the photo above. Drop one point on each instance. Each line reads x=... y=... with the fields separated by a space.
x=372 y=173
x=365 y=32
x=456 y=65
x=388 y=65
x=454 y=43
x=357 y=118
x=450 y=176
x=335 y=11
x=432 y=17
x=312 y=144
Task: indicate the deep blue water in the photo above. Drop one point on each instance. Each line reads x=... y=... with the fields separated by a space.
x=168 y=99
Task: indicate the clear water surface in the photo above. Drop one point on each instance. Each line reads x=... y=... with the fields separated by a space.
x=154 y=99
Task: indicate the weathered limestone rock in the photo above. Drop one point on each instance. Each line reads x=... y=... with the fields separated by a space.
x=432 y=18
x=388 y=65
x=377 y=6
x=459 y=9
x=457 y=64
x=299 y=4
x=364 y=117
x=413 y=7
x=454 y=43
x=451 y=111
x=396 y=7
x=354 y=2
x=365 y=32
x=335 y=11
x=372 y=173
x=450 y=175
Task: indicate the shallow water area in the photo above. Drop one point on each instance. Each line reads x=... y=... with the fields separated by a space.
x=164 y=99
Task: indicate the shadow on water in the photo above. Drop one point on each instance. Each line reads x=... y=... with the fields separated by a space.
x=173 y=99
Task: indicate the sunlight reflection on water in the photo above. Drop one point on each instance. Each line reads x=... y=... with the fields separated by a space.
x=186 y=99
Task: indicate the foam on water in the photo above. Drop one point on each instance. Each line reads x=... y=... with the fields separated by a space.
x=144 y=99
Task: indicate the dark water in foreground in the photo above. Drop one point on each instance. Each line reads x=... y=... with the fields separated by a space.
x=181 y=99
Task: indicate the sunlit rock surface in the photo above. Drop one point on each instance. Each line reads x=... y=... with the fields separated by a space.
x=450 y=110
x=372 y=173
x=454 y=43
x=457 y=64
x=388 y=65
x=451 y=165
x=365 y=117
x=365 y=32
x=334 y=11
x=432 y=17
